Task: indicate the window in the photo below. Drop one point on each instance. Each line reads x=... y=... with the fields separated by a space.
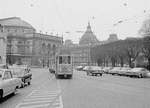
x=60 y=59
x=7 y=75
x=64 y=59
x=69 y=59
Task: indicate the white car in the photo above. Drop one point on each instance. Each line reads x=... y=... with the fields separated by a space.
x=115 y=70
x=8 y=84
x=107 y=69
x=138 y=72
x=123 y=71
x=94 y=70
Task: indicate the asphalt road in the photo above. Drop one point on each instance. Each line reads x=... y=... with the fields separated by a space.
x=81 y=92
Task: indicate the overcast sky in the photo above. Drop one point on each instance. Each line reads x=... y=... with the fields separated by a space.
x=69 y=16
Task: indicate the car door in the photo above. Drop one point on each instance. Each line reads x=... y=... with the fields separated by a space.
x=8 y=82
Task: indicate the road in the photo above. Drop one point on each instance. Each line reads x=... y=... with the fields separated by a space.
x=81 y=92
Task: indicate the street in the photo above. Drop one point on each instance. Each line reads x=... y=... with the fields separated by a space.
x=81 y=91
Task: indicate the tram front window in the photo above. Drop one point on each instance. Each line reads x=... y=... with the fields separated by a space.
x=64 y=60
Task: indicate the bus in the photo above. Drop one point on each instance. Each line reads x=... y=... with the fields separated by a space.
x=64 y=64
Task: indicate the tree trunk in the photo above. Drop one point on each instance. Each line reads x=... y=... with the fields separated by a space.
x=104 y=61
x=121 y=61
x=130 y=62
x=113 y=62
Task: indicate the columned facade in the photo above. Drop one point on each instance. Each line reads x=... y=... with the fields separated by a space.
x=24 y=45
x=44 y=49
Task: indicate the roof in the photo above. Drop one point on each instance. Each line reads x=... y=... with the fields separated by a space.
x=15 y=21
x=88 y=37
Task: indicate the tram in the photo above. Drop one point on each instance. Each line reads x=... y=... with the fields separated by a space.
x=64 y=63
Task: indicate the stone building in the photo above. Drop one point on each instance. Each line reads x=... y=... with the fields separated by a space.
x=88 y=38
x=24 y=45
x=112 y=38
x=44 y=48
x=3 y=46
x=81 y=52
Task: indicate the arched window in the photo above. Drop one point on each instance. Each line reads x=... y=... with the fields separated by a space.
x=49 y=48
x=54 y=49
x=43 y=48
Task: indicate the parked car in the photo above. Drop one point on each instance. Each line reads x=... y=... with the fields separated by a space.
x=106 y=69
x=93 y=70
x=51 y=70
x=79 y=68
x=138 y=72
x=8 y=84
x=23 y=73
x=123 y=71
x=115 y=70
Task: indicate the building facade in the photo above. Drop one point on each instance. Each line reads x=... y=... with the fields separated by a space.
x=24 y=45
x=82 y=51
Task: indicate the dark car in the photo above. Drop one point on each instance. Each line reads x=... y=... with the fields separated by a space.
x=51 y=70
x=94 y=70
x=23 y=73
x=79 y=68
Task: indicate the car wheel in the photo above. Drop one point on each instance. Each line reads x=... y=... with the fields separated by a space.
x=140 y=76
x=22 y=85
x=1 y=95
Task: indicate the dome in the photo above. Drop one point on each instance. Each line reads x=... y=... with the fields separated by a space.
x=88 y=37
x=15 y=21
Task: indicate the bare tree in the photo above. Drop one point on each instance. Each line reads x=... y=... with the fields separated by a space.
x=132 y=48
x=146 y=49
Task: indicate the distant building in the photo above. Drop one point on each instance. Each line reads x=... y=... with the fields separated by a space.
x=112 y=38
x=88 y=37
x=24 y=45
x=68 y=42
x=3 y=46
x=81 y=52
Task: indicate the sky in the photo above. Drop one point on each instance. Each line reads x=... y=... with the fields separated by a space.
x=70 y=17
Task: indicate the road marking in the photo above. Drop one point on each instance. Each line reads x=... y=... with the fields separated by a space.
x=42 y=99
x=60 y=98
